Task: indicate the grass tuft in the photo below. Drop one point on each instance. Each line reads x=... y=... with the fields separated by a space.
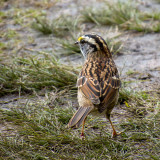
x=114 y=44
x=28 y=74
x=129 y=17
x=158 y=1
x=108 y=14
x=58 y=27
x=41 y=133
x=67 y=46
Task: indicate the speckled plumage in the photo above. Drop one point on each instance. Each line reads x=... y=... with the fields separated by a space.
x=98 y=83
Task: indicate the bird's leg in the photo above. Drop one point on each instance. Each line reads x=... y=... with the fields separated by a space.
x=82 y=131
x=114 y=134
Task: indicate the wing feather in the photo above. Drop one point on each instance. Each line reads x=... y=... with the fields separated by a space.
x=100 y=87
x=91 y=89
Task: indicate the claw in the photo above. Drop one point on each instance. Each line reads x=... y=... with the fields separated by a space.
x=82 y=137
x=115 y=134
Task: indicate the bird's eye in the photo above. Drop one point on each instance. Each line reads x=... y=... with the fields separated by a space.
x=82 y=41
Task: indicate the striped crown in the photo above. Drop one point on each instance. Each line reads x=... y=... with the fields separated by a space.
x=96 y=42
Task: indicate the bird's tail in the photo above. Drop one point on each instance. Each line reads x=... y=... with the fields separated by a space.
x=79 y=117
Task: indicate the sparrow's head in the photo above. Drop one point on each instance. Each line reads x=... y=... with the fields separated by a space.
x=91 y=43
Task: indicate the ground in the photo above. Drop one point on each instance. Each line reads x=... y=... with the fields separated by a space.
x=39 y=66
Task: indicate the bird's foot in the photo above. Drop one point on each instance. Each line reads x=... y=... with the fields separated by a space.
x=82 y=136
x=115 y=134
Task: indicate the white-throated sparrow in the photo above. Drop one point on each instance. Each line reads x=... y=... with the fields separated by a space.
x=98 y=82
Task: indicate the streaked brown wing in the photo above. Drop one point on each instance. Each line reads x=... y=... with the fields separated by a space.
x=99 y=82
x=109 y=90
x=90 y=88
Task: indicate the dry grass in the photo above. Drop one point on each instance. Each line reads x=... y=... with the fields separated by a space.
x=129 y=17
x=41 y=131
x=58 y=27
x=31 y=73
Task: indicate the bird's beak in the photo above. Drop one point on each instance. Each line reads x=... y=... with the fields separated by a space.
x=76 y=42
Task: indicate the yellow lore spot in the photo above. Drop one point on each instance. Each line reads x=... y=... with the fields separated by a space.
x=79 y=39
